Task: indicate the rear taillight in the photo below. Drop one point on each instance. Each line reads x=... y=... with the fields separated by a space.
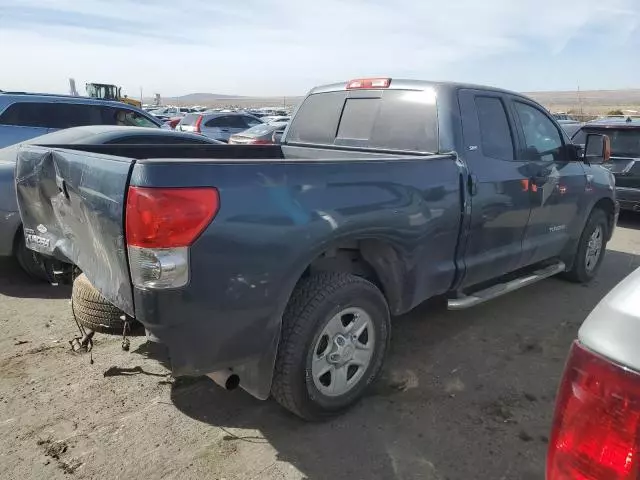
x=368 y=83
x=160 y=225
x=196 y=127
x=596 y=427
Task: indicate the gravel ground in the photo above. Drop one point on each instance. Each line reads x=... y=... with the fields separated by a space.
x=464 y=395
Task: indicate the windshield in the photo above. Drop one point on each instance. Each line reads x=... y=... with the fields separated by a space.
x=624 y=142
x=107 y=92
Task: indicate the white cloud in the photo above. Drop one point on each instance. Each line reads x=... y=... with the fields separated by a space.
x=284 y=46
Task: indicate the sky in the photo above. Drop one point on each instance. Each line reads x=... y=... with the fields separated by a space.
x=285 y=47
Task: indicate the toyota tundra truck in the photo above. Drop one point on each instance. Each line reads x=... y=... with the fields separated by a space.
x=279 y=267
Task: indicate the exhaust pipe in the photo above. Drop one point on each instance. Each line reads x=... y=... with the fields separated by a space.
x=225 y=378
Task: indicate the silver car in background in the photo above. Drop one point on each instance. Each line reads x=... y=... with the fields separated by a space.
x=259 y=135
x=217 y=125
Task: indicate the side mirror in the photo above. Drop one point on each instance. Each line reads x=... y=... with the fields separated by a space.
x=597 y=148
x=574 y=152
x=277 y=137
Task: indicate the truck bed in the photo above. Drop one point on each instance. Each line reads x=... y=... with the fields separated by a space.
x=277 y=212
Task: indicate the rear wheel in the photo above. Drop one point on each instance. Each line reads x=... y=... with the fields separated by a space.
x=335 y=334
x=591 y=249
x=92 y=310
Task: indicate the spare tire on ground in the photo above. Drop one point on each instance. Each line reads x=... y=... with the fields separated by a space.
x=93 y=311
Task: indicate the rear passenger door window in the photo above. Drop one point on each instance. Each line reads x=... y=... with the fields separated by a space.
x=236 y=122
x=27 y=114
x=67 y=115
x=217 y=122
x=124 y=117
x=251 y=122
x=495 y=134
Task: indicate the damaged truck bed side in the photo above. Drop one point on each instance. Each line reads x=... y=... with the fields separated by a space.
x=283 y=264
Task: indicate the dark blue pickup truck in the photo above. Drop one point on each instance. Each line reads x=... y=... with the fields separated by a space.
x=279 y=267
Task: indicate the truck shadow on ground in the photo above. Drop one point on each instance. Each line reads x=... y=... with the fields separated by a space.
x=15 y=283
x=464 y=394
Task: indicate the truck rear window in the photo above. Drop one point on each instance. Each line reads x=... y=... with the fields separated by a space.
x=392 y=120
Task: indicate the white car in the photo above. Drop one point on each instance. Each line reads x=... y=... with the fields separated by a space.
x=596 y=427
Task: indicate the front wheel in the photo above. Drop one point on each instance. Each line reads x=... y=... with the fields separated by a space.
x=335 y=335
x=591 y=249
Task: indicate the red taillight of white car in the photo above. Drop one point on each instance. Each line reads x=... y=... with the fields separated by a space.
x=596 y=427
x=160 y=225
x=198 y=125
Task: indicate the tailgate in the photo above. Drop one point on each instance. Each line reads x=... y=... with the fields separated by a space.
x=72 y=207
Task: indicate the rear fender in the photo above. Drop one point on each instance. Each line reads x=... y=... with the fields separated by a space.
x=256 y=376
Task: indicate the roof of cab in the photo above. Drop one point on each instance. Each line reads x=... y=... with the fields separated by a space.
x=407 y=84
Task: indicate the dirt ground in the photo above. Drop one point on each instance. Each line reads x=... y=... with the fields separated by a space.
x=464 y=395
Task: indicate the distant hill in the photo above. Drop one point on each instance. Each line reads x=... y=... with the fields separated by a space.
x=587 y=101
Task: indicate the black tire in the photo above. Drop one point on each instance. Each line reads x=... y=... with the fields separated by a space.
x=33 y=264
x=579 y=272
x=92 y=310
x=313 y=303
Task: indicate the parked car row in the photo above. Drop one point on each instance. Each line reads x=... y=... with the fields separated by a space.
x=218 y=125
x=28 y=115
x=44 y=119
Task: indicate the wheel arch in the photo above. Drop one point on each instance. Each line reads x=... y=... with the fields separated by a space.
x=379 y=260
x=605 y=204
x=608 y=207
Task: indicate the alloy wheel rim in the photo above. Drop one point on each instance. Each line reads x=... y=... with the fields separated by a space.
x=343 y=352
x=594 y=249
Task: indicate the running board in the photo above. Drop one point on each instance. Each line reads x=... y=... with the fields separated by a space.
x=468 y=301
